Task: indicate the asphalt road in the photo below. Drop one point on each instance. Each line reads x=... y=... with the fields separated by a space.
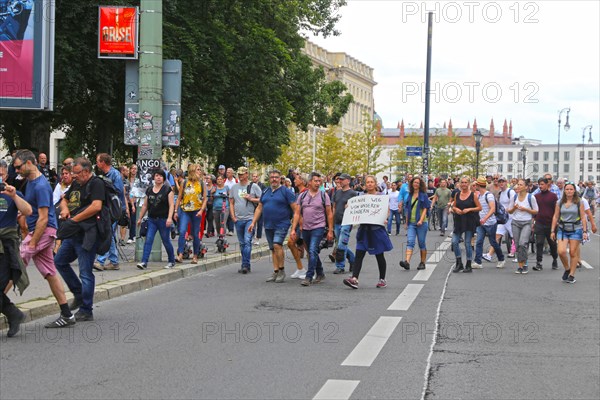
x=490 y=334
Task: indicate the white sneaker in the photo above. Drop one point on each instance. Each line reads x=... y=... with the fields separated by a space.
x=298 y=273
x=170 y=265
x=500 y=264
x=302 y=275
x=487 y=257
x=474 y=265
x=129 y=241
x=256 y=242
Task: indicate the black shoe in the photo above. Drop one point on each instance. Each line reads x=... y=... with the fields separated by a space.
x=331 y=258
x=468 y=268
x=173 y=234
x=405 y=265
x=538 y=267
x=75 y=304
x=458 y=266
x=421 y=265
x=83 y=316
x=15 y=318
x=351 y=266
x=61 y=322
x=565 y=275
x=579 y=264
x=339 y=271
x=571 y=279
x=554 y=264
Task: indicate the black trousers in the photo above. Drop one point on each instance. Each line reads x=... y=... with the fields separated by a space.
x=542 y=233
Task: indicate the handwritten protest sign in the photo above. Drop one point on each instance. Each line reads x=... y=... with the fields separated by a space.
x=367 y=209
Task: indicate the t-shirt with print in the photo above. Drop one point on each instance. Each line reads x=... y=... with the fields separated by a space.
x=244 y=209
x=485 y=208
x=158 y=203
x=39 y=194
x=340 y=198
x=314 y=215
x=192 y=196
x=8 y=211
x=276 y=207
x=79 y=197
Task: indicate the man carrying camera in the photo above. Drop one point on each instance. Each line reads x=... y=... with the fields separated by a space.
x=314 y=207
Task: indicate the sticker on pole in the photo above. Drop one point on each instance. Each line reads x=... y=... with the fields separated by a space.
x=367 y=209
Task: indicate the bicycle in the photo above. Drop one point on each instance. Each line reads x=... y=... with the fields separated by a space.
x=433 y=219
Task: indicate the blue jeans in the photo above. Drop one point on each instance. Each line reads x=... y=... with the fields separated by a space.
x=394 y=214
x=342 y=233
x=312 y=239
x=245 y=239
x=276 y=236
x=417 y=232
x=112 y=255
x=160 y=225
x=186 y=217
x=490 y=232
x=443 y=218
x=468 y=248
x=83 y=286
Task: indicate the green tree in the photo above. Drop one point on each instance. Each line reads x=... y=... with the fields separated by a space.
x=363 y=149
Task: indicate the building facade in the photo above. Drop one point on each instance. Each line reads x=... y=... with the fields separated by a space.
x=356 y=75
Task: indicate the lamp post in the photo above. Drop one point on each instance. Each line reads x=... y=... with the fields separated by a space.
x=583 y=146
x=478 y=137
x=567 y=127
x=524 y=157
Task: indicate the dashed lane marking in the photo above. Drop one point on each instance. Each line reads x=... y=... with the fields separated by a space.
x=337 y=389
x=406 y=298
x=369 y=347
x=586 y=265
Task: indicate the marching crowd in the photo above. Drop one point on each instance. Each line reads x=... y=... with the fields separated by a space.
x=81 y=214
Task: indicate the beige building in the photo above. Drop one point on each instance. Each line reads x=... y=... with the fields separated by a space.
x=356 y=75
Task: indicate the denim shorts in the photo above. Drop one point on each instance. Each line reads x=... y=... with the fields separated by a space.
x=577 y=234
x=276 y=236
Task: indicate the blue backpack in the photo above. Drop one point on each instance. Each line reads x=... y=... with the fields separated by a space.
x=500 y=213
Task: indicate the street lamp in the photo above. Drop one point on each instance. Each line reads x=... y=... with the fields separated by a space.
x=590 y=141
x=524 y=157
x=567 y=127
x=478 y=137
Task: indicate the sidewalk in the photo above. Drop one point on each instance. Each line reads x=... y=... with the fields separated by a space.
x=37 y=300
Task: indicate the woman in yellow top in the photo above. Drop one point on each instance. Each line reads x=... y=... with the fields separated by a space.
x=189 y=208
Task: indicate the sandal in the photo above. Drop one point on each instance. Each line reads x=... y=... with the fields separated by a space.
x=195 y=260
x=179 y=258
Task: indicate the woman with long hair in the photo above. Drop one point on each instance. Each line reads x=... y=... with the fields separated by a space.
x=131 y=203
x=524 y=207
x=191 y=205
x=465 y=207
x=417 y=208
x=569 y=228
x=373 y=239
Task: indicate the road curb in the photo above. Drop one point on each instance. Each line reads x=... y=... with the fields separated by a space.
x=40 y=308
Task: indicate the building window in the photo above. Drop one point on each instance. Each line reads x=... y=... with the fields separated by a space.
x=510 y=177
x=598 y=155
x=546 y=156
x=545 y=168
x=519 y=156
x=500 y=168
x=581 y=167
x=536 y=156
x=500 y=156
x=510 y=156
x=566 y=168
x=555 y=168
x=597 y=167
x=590 y=167
x=536 y=168
x=510 y=167
x=535 y=178
x=581 y=155
x=567 y=156
x=590 y=155
x=556 y=156
x=598 y=179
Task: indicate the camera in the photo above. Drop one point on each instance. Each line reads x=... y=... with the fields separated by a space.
x=325 y=244
x=2 y=186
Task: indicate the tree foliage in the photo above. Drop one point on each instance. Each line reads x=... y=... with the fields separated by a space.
x=245 y=79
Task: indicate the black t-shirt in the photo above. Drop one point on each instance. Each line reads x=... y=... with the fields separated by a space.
x=430 y=191
x=80 y=197
x=340 y=198
x=158 y=203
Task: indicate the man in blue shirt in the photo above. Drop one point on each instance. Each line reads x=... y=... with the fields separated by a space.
x=278 y=205
x=104 y=164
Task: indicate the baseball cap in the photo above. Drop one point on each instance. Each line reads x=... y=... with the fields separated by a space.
x=502 y=178
x=221 y=166
x=345 y=176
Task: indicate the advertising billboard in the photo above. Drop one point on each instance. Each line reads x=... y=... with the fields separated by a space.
x=26 y=54
x=117 y=32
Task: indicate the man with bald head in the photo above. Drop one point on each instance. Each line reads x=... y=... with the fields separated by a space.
x=44 y=168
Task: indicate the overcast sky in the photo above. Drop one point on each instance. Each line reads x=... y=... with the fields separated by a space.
x=523 y=61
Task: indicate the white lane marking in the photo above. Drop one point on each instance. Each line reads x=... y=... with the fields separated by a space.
x=585 y=264
x=369 y=347
x=435 y=333
x=337 y=389
x=425 y=274
x=406 y=298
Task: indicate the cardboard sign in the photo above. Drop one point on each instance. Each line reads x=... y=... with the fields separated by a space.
x=367 y=209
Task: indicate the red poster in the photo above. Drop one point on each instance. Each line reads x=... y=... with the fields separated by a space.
x=117 y=35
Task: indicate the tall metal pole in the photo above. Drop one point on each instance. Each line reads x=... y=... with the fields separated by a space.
x=427 y=98
x=150 y=93
x=566 y=129
x=477 y=150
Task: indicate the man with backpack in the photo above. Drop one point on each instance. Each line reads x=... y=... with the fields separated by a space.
x=104 y=164
x=81 y=236
x=314 y=207
x=546 y=201
x=488 y=225
x=244 y=197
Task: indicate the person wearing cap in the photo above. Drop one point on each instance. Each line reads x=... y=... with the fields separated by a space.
x=221 y=171
x=244 y=197
x=159 y=203
x=504 y=195
x=342 y=232
x=487 y=225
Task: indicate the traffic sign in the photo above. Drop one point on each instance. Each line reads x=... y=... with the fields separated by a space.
x=414 y=151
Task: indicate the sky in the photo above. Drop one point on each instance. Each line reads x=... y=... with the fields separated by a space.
x=516 y=60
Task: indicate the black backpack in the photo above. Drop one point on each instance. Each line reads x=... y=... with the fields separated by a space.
x=111 y=200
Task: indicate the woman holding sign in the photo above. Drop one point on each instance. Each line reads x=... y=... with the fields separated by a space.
x=373 y=239
x=417 y=209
